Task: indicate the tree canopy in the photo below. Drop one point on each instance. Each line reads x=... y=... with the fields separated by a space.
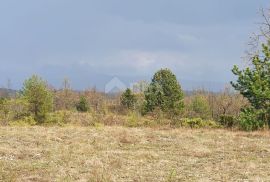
x=39 y=97
x=164 y=92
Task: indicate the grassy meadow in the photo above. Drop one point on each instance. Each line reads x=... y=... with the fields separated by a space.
x=116 y=153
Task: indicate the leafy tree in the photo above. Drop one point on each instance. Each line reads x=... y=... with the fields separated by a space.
x=82 y=105
x=164 y=92
x=39 y=97
x=254 y=83
x=128 y=99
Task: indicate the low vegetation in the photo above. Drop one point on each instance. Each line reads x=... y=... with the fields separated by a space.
x=161 y=103
x=132 y=154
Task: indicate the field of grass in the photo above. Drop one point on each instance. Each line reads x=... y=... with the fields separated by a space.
x=132 y=154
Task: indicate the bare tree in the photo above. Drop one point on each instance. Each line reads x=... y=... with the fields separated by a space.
x=262 y=36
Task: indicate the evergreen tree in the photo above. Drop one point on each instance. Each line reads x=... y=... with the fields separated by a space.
x=39 y=97
x=164 y=92
x=128 y=99
x=82 y=105
x=254 y=83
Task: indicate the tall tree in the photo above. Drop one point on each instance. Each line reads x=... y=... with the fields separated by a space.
x=39 y=97
x=254 y=83
x=164 y=92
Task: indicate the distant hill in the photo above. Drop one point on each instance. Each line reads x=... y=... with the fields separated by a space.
x=4 y=92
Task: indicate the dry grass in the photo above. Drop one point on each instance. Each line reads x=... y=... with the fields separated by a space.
x=132 y=154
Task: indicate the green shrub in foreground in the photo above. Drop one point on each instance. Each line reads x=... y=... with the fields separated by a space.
x=251 y=119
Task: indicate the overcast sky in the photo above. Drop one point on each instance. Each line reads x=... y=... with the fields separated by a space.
x=91 y=41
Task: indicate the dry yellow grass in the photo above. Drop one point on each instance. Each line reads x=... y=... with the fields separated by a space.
x=132 y=154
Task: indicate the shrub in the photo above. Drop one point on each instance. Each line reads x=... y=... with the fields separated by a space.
x=82 y=105
x=13 y=109
x=227 y=120
x=82 y=119
x=199 y=107
x=196 y=123
x=128 y=99
x=59 y=118
x=251 y=119
x=25 y=121
x=133 y=119
x=17 y=108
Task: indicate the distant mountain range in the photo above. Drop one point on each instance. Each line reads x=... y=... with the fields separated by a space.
x=4 y=92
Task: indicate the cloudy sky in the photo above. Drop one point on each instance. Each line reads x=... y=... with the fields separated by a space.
x=91 y=41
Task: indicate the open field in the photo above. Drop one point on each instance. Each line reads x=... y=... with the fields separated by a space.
x=132 y=154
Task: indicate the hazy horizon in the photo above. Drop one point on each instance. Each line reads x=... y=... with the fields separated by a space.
x=90 y=42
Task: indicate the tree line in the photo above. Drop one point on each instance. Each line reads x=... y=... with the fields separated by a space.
x=160 y=102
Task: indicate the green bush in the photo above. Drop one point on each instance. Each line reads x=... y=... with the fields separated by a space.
x=164 y=93
x=128 y=99
x=25 y=121
x=82 y=105
x=251 y=119
x=227 y=120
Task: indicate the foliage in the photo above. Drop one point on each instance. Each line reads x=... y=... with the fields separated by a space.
x=200 y=107
x=164 y=92
x=39 y=97
x=227 y=120
x=228 y=102
x=24 y=121
x=128 y=99
x=196 y=123
x=140 y=87
x=82 y=105
x=254 y=84
x=17 y=108
x=13 y=109
x=251 y=119
x=96 y=100
x=3 y=108
x=133 y=119
x=59 y=118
